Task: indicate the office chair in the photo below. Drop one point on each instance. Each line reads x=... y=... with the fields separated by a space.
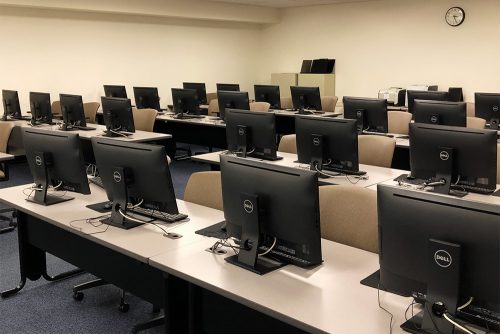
x=288 y=144
x=5 y=131
x=476 y=123
x=348 y=215
x=56 y=108
x=213 y=107
x=471 y=109
x=259 y=106
x=211 y=96
x=286 y=102
x=399 y=122
x=376 y=150
x=144 y=119
x=90 y=110
x=204 y=188
x=328 y=103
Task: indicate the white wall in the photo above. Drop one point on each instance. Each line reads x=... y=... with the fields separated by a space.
x=80 y=53
x=378 y=44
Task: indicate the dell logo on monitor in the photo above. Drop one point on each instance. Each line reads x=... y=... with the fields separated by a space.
x=495 y=108
x=359 y=113
x=117 y=177
x=443 y=155
x=316 y=141
x=38 y=160
x=434 y=119
x=248 y=206
x=241 y=132
x=442 y=258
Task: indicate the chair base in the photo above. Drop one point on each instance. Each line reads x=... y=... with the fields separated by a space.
x=12 y=224
x=155 y=322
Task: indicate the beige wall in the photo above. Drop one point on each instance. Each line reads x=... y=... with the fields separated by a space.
x=385 y=43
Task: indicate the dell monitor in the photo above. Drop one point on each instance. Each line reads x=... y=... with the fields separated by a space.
x=41 y=110
x=370 y=114
x=453 y=158
x=440 y=112
x=228 y=87
x=136 y=177
x=73 y=113
x=306 y=98
x=232 y=100
x=328 y=144
x=115 y=91
x=55 y=159
x=11 y=107
x=117 y=115
x=201 y=90
x=268 y=206
x=269 y=94
x=147 y=98
x=251 y=134
x=488 y=107
x=425 y=95
x=185 y=101
x=445 y=249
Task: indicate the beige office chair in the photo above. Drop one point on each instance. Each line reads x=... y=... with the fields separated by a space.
x=144 y=119
x=288 y=144
x=286 y=102
x=204 y=188
x=90 y=109
x=211 y=96
x=328 y=103
x=476 y=123
x=259 y=106
x=399 y=122
x=213 y=107
x=348 y=215
x=56 y=108
x=5 y=131
x=471 y=109
x=376 y=150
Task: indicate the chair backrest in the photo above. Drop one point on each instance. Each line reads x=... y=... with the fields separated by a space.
x=376 y=150
x=286 y=102
x=328 y=103
x=348 y=215
x=144 y=119
x=288 y=144
x=211 y=96
x=259 y=106
x=399 y=122
x=5 y=131
x=204 y=188
x=471 y=109
x=476 y=123
x=56 y=108
x=90 y=110
x=213 y=107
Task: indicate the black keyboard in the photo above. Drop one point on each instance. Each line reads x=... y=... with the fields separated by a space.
x=481 y=316
x=97 y=181
x=188 y=116
x=343 y=171
x=460 y=186
x=378 y=134
x=84 y=128
x=159 y=215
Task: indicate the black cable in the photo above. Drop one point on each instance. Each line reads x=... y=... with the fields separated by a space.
x=380 y=305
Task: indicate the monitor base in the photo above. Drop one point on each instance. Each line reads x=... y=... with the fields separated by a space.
x=262 y=265
x=50 y=200
x=126 y=224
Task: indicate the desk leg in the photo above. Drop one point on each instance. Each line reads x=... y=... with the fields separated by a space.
x=176 y=295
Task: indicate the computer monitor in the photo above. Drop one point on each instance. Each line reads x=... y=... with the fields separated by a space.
x=370 y=114
x=440 y=112
x=269 y=206
x=55 y=159
x=228 y=87
x=327 y=143
x=72 y=112
x=11 y=107
x=425 y=95
x=147 y=98
x=269 y=94
x=134 y=173
x=443 y=248
x=41 y=110
x=185 y=101
x=251 y=133
x=115 y=91
x=117 y=115
x=306 y=98
x=459 y=158
x=232 y=100
x=488 y=107
x=200 y=89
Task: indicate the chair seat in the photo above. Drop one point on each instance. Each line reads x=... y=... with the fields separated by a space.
x=2 y=175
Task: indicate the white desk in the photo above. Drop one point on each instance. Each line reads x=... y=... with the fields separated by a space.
x=375 y=174
x=5 y=157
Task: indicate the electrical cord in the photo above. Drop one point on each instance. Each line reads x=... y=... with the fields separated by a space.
x=269 y=249
x=383 y=308
x=357 y=177
x=92 y=222
x=449 y=317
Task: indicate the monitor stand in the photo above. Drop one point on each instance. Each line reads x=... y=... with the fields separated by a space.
x=243 y=138
x=444 y=170
x=494 y=123
x=317 y=154
x=248 y=257
x=360 y=120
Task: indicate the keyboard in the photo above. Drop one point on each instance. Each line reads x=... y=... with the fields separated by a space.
x=97 y=181
x=460 y=186
x=84 y=128
x=159 y=215
x=481 y=315
x=378 y=134
x=188 y=116
x=343 y=171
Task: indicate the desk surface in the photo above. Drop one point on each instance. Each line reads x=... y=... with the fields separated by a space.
x=5 y=156
x=375 y=174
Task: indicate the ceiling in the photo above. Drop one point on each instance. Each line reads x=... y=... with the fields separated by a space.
x=286 y=3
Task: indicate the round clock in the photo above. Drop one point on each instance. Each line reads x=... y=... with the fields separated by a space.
x=455 y=16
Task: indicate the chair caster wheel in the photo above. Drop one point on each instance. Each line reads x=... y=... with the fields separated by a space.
x=124 y=307
x=78 y=296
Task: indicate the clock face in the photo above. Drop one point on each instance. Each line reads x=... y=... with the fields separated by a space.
x=455 y=16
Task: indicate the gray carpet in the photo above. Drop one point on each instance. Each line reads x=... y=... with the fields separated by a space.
x=48 y=307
